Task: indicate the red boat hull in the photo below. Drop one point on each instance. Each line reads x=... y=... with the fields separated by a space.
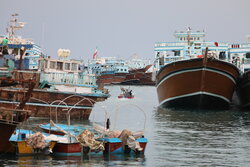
x=67 y=149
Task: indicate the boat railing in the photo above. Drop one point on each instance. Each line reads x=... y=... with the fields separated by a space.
x=4 y=72
x=171 y=59
x=69 y=79
x=20 y=41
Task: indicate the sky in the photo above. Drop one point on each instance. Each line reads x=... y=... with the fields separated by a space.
x=122 y=28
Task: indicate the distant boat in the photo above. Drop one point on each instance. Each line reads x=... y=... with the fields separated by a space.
x=185 y=81
x=140 y=76
x=111 y=70
x=126 y=93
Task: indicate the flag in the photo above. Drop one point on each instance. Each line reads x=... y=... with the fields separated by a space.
x=95 y=54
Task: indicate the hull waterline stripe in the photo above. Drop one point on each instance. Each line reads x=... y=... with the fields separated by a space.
x=47 y=105
x=193 y=94
x=192 y=70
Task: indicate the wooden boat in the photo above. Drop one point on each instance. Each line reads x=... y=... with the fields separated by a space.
x=195 y=73
x=67 y=149
x=116 y=142
x=9 y=120
x=139 y=76
x=113 y=78
x=62 y=129
x=116 y=146
x=19 y=141
x=55 y=79
x=199 y=83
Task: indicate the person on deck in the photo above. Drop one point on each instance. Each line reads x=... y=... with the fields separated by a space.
x=5 y=44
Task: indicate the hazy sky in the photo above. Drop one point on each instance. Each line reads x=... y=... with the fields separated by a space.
x=122 y=28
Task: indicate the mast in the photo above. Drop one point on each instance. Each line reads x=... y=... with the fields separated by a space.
x=15 y=26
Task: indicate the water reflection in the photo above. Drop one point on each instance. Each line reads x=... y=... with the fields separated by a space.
x=201 y=137
x=86 y=160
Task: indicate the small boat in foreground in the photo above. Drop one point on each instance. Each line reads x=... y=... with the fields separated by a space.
x=26 y=142
x=113 y=141
x=60 y=129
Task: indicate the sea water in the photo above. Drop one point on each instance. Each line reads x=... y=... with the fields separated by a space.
x=175 y=137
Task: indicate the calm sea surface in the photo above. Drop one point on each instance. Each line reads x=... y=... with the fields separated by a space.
x=176 y=137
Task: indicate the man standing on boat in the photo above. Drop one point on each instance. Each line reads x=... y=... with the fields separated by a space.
x=4 y=44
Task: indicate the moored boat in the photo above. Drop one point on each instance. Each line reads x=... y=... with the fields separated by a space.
x=140 y=76
x=9 y=120
x=195 y=84
x=60 y=129
x=109 y=70
x=55 y=79
x=26 y=142
x=193 y=79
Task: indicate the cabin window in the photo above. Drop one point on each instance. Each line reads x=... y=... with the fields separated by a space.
x=59 y=66
x=248 y=55
x=222 y=56
x=67 y=66
x=52 y=65
x=177 y=53
x=74 y=67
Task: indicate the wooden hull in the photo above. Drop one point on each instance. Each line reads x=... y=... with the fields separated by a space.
x=124 y=97
x=41 y=103
x=6 y=131
x=197 y=84
x=112 y=146
x=67 y=149
x=108 y=79
x=50 y=129
x=8 y=126
x=244 y=91
x=22 y=148
x=115 y=146
x=138 y=78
